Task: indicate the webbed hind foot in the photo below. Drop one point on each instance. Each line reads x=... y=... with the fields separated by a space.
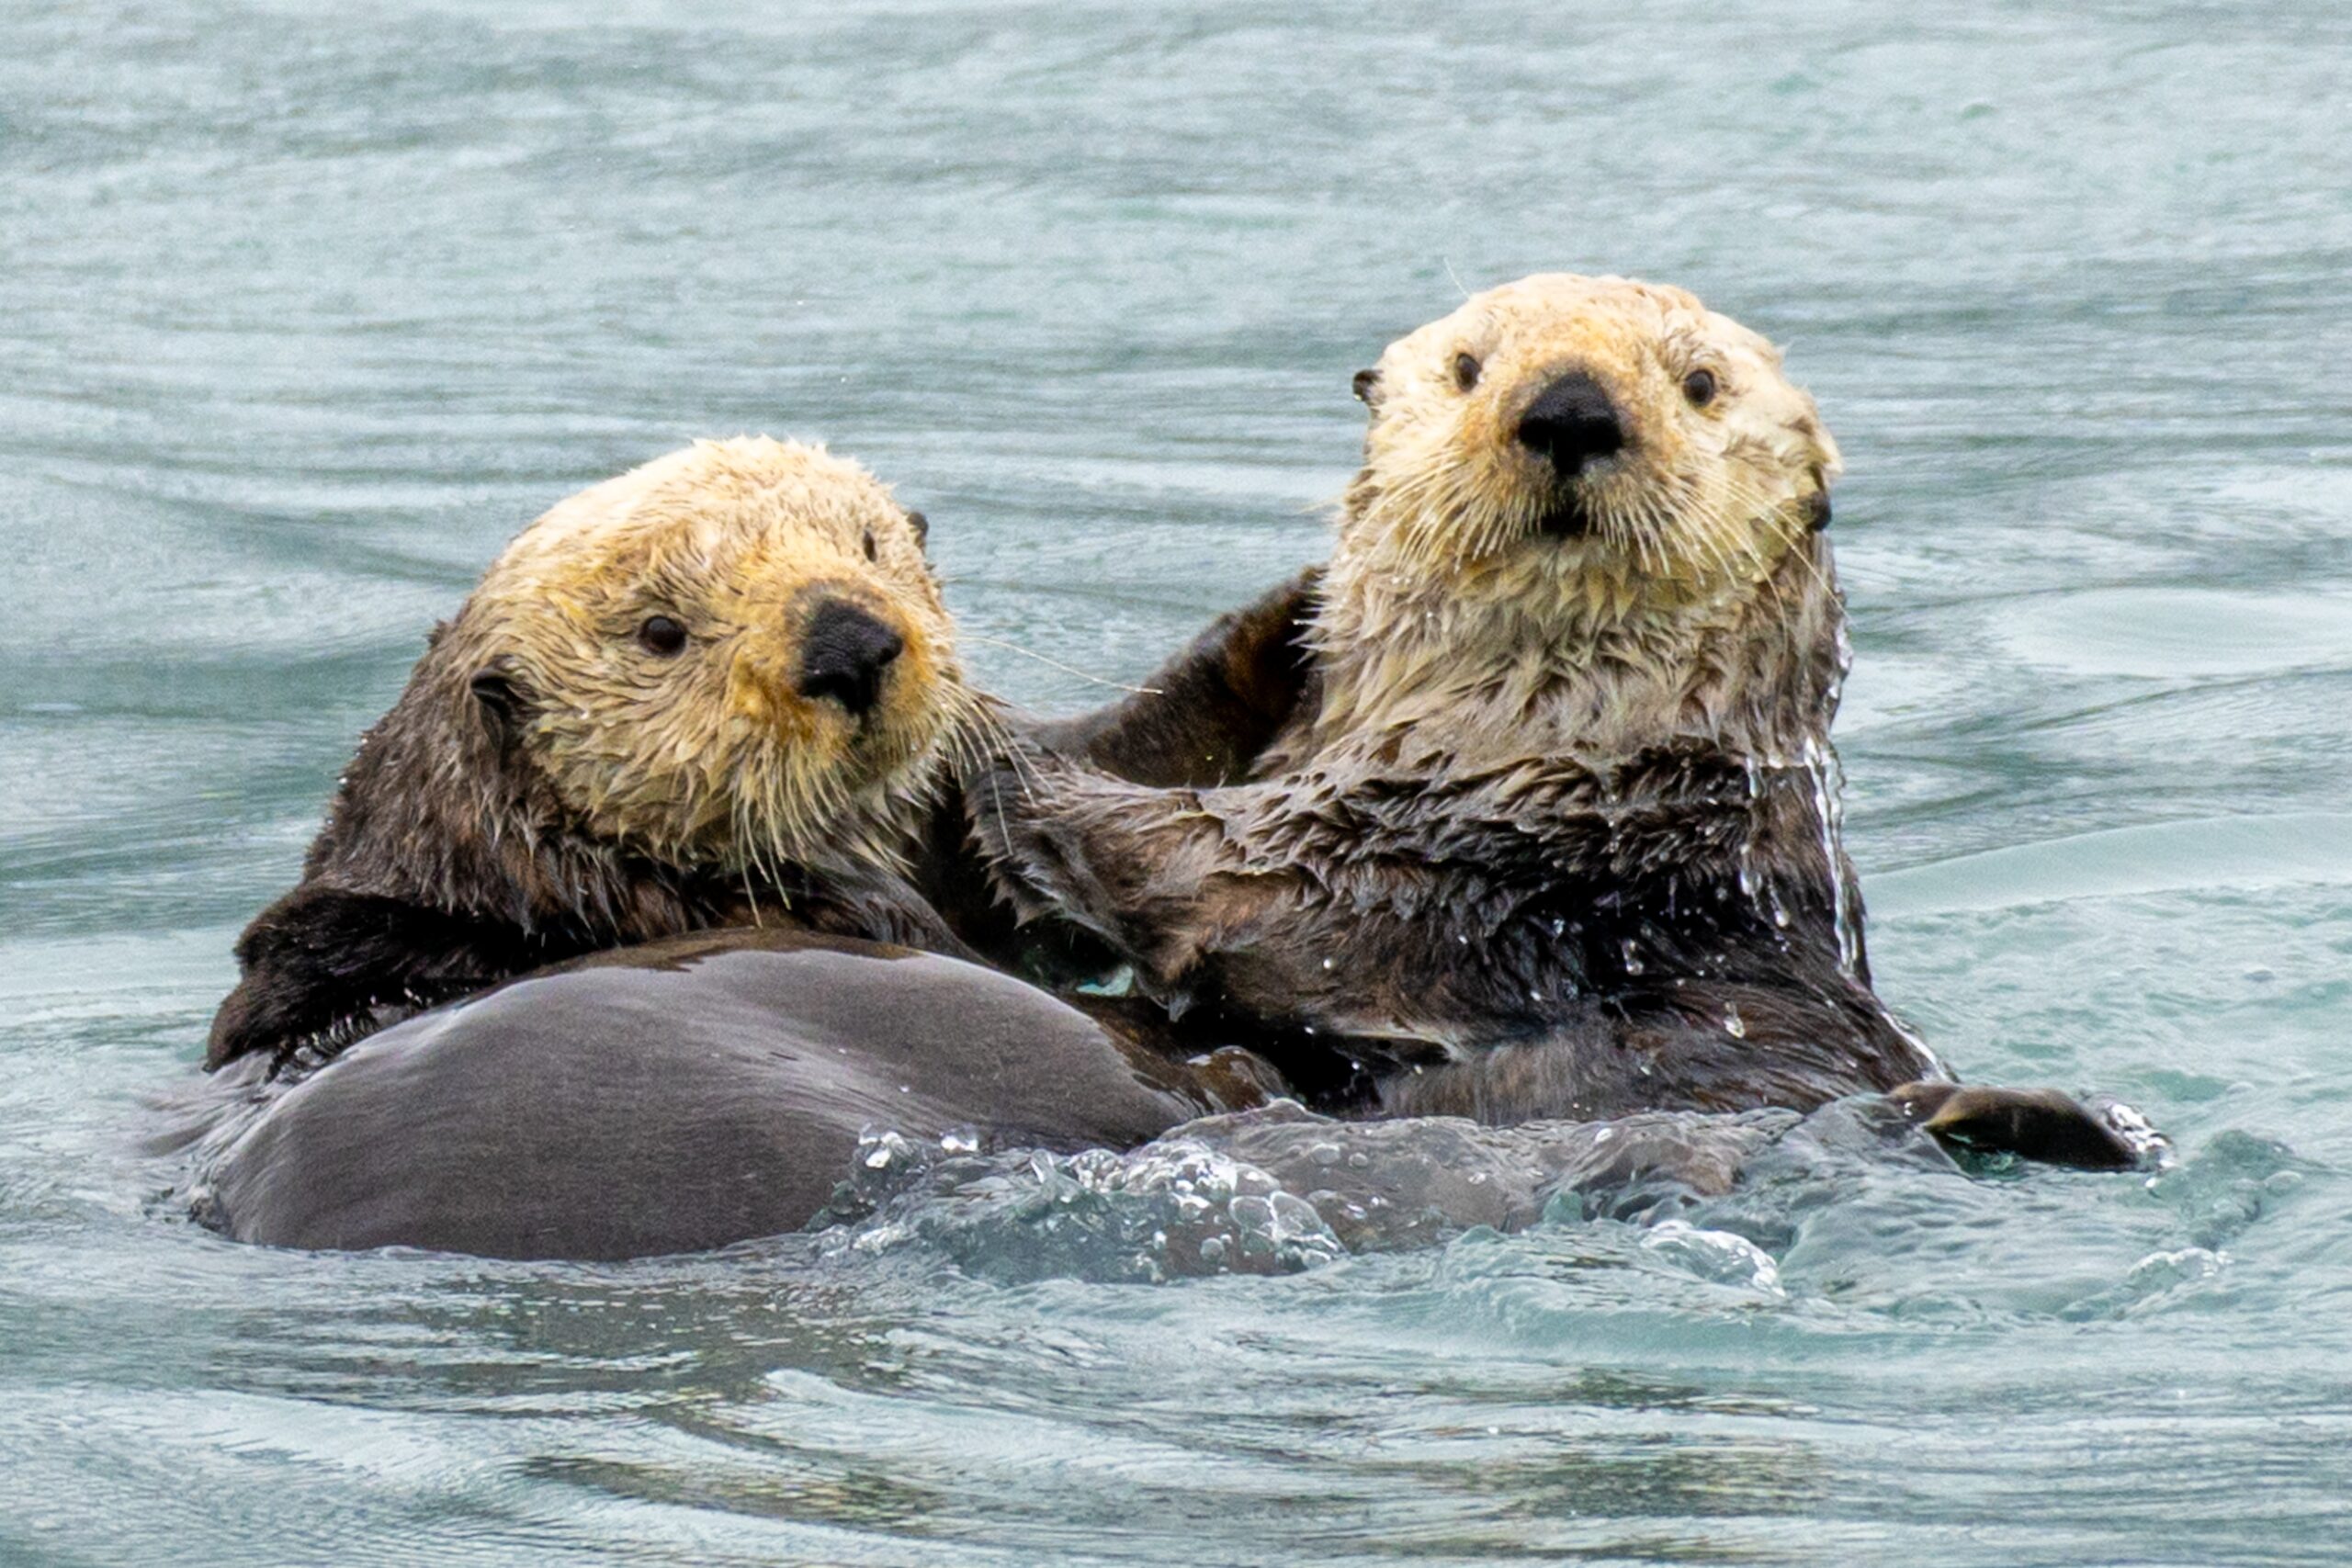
x=2039 y=1125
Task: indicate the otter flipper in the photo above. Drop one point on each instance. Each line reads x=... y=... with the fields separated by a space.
x=2039 y=1125
x=1204 y=717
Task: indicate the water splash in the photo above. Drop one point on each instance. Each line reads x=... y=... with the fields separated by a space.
x=1719 y=1258
x=1175 y=1208
x=1829 y=810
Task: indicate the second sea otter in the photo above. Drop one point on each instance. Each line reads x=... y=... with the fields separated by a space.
x=1553 y=830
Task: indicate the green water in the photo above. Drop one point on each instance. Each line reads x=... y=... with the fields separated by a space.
x=303 y=313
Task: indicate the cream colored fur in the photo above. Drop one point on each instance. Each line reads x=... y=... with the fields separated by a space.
x=1453 y=628
x=711 y=756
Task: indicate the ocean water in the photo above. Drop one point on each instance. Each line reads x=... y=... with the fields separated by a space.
x=304 y=310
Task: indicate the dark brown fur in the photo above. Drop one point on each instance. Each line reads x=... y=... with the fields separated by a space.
x=1657 y=934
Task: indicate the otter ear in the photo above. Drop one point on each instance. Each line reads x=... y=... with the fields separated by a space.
x=1367 y=385
x=1816 y=505
x=497 y=691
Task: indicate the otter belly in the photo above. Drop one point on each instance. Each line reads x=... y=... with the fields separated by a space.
x=675 y=1097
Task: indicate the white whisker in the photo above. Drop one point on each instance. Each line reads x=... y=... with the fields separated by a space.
x=1057 y=664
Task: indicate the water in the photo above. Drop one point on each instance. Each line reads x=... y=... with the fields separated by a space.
x=305 y=313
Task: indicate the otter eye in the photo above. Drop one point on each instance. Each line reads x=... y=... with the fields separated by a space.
x=1700 y=388
x=1465 y=371
x=870 y=553
x=661 y=634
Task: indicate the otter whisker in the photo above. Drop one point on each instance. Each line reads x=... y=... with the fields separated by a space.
x=1093 y=680
x=1004 y=745
x=1769 y=510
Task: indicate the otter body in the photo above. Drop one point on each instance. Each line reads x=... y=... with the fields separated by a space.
x=1504 y=942
x=709 y=692
x=679 y=1096
x=1553 y=828
x=1522 y=938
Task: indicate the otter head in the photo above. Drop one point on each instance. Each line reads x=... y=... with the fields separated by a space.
x=733 y=657
x=1594 y=425
x=1569 y=485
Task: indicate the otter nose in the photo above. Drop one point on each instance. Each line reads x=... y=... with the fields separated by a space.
x=844 y=654
x=1571 y=423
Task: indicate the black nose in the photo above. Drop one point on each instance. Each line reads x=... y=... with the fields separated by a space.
x=844 y=655
x=1572 y=423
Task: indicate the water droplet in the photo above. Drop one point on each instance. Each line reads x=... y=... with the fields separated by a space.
x=1829 y=813
x=880 y=1151
x=1733 y=1024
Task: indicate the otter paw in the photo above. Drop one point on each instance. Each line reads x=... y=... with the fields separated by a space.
x=2039 y=1125
x=1010 y=798
x=1002 y=793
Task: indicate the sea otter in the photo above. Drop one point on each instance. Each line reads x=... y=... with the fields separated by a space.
x=1553 y=828
x=712 y=690
x=672 y=757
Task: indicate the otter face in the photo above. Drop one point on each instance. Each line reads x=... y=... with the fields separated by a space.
x=735 y=655
x=1587 y=426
